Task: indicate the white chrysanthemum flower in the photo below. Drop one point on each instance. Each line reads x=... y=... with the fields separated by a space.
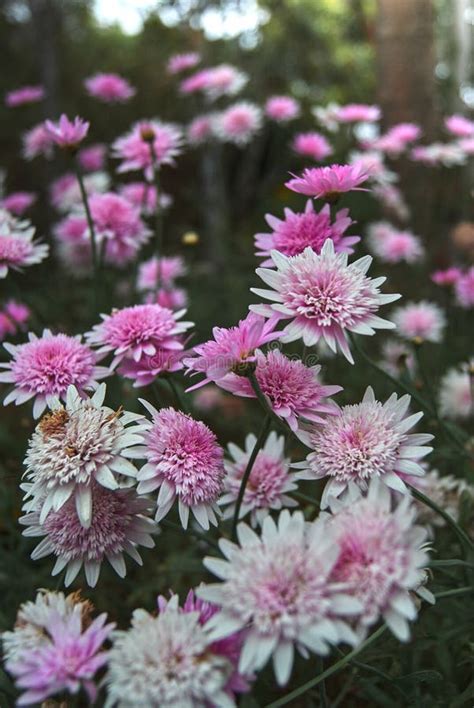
x=456 y=395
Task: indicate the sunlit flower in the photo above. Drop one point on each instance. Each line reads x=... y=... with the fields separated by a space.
x=460 y=126
x=45 y=367
x=420 y=320
x=17 y=247
x=296 y=231
x=324 y=296
x=74 y=447
x=180 y=62
x=66 y=133
x=185 y=461
x=37 y=141
x=328 y=182
x=109 y=88
x=394 y=246
x=313 y=145
x=92 y=158
x=358 y=113
x=137 y=151
x=275 y=586
x=282 y=109
x=24 y=95
x=231 y=349
x=18 y=202
x=165 y=270
x=448 y=276
x=464 y=289
x=268 y=485
x=456 y=395
x=166 y=661
x=238 y=123
x=365 y=441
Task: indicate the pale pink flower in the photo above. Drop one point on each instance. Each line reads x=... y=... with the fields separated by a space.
x=150 y=366
x=231 y=349
x=168 y=660
x=324 y=296
x=446 y=277
x=464 y=289
x=292 y=389
x=166 y=269
x=364 y=441
x=186 y=463
x=196 y=82
x=313 y=145
x=73 y=448
x=239 y=123
x=282 y=109
x=269 y=483
x=109 y=88
x=466 y=145
x=224 y=80
x=396 y=139
x=296 y=231
x=66 y=133
x=446 y=491
x=137 y=152
x=180 y=62
x=327 y=116
x=382 y=559
x=92 y=158
x=144 y=197
x=447 y=154
x=18 y=202
x=24 y=95
x=137 y=331
x=394 y=246
x=276 y=587
x=45 y=367
x=37 y=141
x=120 y=522
x=201 y=128
x=73 y=245
x=328 y=182
x=358 y=113
x=17 y=247
x=459 y=126
x=66 y=655
x=455 y=395
x=420 y=320
x=170 y=297
x=392 y=198
x=372 y=162
x=65 y=193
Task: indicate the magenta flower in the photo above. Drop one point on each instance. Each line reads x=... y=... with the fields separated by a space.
x=292 y=389
x=313 y=145
x=24 y=95
x=37 y=141
x=109 y=88
x=139 y=330
x=147 y=143
x=196 y=82
x=296 y=231
x=394 y=246
x=358 y=113
x=167 y=268
x=446 y=277
x=239 y=123
x=185 y=462
x=282 y=109
x=329 y=182
x=464 y=289
x=18 y=311
x=420 y=320
x=323 y=296
x=18 y=202
x=17 y=247
x=231 y=349
x=180 y=62
x=460 y=126
x=145 y=371
x=92 y=158
x=66 y=133
x=365 y=441
x=170 y=297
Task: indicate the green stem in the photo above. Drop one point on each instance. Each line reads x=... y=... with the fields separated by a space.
x=178 y=394
x=449 y=563
x=455 y=592
x=176 y=527
x=323 y=696
x=253 y=456
x=158 y=217
x=90 y=224
x=461 y=534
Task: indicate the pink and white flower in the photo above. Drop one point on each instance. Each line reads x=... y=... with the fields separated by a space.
x=201 y=128
x=239 y=123
x=329 y=182
x=420 y=320
x=65 y=193
x=37 y=141
x=66 y=133
x=165 y=270
x=148 y=143
x=109 y=88
x=144 y=197
x=313 y=145
x=394 y=246
x=455 y=394
x=282 y=109
x=18 y=202
x=358 y=113
x=459 y=126
x=180 y=62
x=17 y=247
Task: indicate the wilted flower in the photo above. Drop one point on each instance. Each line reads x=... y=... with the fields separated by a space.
x=17 y=247
x=148 y=143
x=66 y=133
x=328 y=182
x=324 y=296
x=37 y=141
x=180 y=62
x=456 y=394
x=394 y=246
x=464 y=289
x=366 y=441
x=92 y=158
x=185 y=461
x=282 y=109
x=420 y=320
x=18 y=202
x=238 y=123
x=109 y=88
x=24 y=95
x=357 y=113
x=313 y=145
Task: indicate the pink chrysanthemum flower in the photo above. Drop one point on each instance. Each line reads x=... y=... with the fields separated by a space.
x=139 y=330
x=74 y=447
x=145 y=371
x=420 y=320
x=324 y=296
x=18 y=202
x=238 y=123
x=464 y=289
x=165 y=269
x=45 y=367
x=224 y=80
x=231 y=349
x=459 y=126
x=24 y=95
x=55 y=647
x=17 y=247
x=394 y=246
x=292 y=389
x=447 y=154
x=313 y=145
x=37 y=141
x=358 y=113
x=382 y=558
x=144 y=197
x=109 y=88
x=194 y=83
x=66 y=133
x=277 y=587
x=170 y=297
x=201 y=128
x=446 y=277
x=18 y=311
x=329 y=182
x=118 y=525
x=167 y=660
x=365 y=441
x=397 y=139
x=180 y=62
x=455 y=395
x=282 y=109
x=137 y=152
x=185 y=461
x=296 y=231
x=268 y=485
x=92 y=158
